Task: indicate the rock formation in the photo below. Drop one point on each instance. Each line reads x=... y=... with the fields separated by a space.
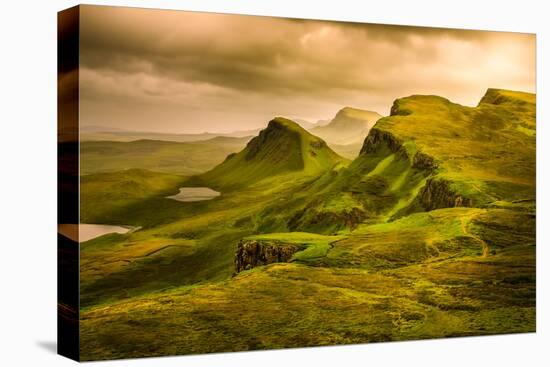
x=377 y=137
x=438 y=194
x=251 y=253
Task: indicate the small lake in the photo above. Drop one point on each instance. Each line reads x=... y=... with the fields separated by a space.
x=188 y=194
x=87 y=232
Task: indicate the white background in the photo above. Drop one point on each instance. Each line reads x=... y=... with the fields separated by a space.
x=28 y=183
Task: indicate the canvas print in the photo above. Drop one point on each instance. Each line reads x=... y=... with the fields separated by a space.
x=232 y=183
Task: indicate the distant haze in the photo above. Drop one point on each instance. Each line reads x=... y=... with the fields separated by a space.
x=186 y=72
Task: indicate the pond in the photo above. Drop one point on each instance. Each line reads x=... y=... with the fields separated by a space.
x=87 y=232
x=188 y=194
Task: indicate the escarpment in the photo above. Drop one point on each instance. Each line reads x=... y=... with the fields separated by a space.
x=398 y=110
x=251 y=253
x=378 y=137
x=325 y=221
x=424 y=162
x=438 y=194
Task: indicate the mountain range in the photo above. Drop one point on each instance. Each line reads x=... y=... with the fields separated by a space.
x=428 y=232
x=344 y=133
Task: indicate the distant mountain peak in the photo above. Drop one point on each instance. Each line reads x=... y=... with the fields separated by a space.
x=357 y=112
x=349 y=126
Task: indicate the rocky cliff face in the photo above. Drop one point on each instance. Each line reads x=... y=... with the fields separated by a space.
x=314 y=220
x=437 y=194
x=377 y=137
x=251 y=253
x=424 y=162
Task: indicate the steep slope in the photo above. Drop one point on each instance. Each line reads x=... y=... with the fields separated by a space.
x=468 y=156
x=428 y=154
x=282 y=147
x=349 y=126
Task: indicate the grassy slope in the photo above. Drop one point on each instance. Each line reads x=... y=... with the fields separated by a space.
x=370 y=189
x=162 y=156
x=121 y=197
x=381 y=290
x=486 y=155
x=168 y=289
x=187 y=242
x=488 y=151
x=283 y=147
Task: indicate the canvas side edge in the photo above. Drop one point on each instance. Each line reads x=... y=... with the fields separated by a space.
x=68 y=341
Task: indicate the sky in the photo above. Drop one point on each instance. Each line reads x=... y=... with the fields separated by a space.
x=189 y=72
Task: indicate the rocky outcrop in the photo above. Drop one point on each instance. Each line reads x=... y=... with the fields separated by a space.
x=378 y=137
x=398 y=110
x=315 y=220
x=424 y=162
x=437 y=194
x=251 y=253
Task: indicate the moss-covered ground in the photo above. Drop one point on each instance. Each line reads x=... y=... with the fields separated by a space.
x=374 y=264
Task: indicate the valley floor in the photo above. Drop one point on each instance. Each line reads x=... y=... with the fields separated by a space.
x=446 y=273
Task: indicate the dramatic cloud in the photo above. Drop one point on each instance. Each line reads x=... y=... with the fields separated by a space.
x=176 y=71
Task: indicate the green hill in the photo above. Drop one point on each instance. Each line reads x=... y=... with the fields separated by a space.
x=349 y=126
x=130 y=197
x=282 y=147
x=429 y=232
x=429 y=153
x=470 y=156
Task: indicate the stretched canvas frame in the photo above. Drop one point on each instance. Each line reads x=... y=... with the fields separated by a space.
x=415 y=223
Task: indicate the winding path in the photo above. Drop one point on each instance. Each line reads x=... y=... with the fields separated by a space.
x=464 y=221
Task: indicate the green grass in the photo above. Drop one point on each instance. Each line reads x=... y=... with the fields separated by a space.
x=283 y=147
x=373 y=264
x=133 y=197
x=453 y=292
x=478 y=148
